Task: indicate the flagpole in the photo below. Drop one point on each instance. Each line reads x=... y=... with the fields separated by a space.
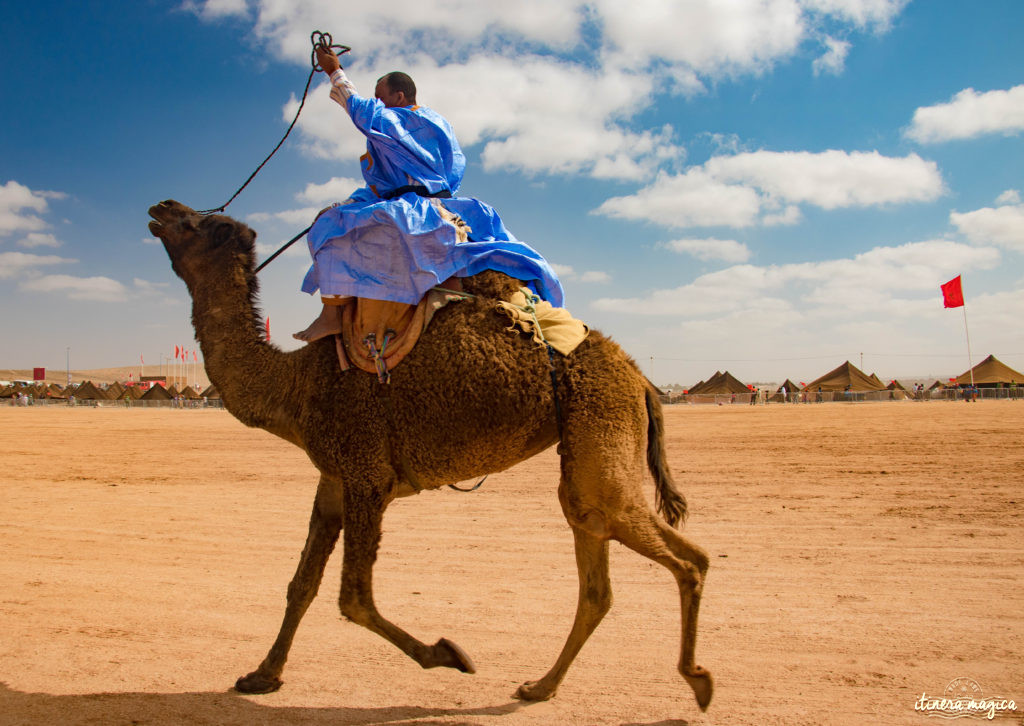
x=967 y=333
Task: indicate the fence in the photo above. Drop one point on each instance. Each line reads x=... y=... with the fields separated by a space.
x=187 y=403
x=764 y=398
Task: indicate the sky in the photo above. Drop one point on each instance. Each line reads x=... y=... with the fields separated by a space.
x=768 y=187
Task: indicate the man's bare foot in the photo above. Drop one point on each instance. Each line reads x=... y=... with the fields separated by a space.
x=329 y=323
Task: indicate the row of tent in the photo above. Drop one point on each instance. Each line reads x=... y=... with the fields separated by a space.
x=87 y=391
x=990 y=373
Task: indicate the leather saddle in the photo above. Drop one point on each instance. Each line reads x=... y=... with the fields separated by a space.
x=377 y=334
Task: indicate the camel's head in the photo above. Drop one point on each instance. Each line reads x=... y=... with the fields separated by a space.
x=203 y=245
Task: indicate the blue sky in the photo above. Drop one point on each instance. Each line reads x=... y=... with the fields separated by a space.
x=768 y=187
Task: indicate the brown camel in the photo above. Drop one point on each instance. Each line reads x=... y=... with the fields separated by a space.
x=471 y=398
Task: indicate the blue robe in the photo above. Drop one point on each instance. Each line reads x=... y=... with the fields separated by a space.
x=397 y=249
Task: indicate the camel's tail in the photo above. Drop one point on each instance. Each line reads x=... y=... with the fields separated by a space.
x=668 y=500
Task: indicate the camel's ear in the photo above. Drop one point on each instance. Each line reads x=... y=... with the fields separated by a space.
x=222 y=233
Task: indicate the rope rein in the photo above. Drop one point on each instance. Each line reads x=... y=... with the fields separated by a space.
x=325 y=42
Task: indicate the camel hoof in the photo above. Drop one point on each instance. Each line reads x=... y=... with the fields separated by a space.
x=453 y=656
x=703 y=686
x=255 y=682
x=534 y=691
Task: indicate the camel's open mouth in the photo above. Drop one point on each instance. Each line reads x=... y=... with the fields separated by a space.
x=161 y=214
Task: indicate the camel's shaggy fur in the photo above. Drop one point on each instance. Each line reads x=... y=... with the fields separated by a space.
x=471 y=398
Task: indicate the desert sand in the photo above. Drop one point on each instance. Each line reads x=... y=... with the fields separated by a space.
x=862 y=555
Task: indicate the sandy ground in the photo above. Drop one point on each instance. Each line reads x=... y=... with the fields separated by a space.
x=862 y=555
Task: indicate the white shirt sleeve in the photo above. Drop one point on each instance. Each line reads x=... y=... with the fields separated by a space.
x=341 y=88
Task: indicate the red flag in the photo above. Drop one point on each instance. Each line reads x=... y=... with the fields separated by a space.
x=195 y=359
x=952 y=294
x=268 y=330
x=141 y=360
x=175 y=352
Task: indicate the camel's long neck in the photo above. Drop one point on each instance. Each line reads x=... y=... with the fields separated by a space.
x=254 y=379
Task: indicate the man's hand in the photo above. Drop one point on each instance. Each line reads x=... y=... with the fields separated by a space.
x=327 y=60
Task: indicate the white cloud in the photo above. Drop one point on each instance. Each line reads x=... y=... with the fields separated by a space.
x=693 y=199
x=336 y=189
x=295 y=217
x=534 y=115
x=596 y=276
x=510 y=76
x=970 y=114
x=215 y=9
x=16 y=264
x=878 y=13
x=102 y=289
x=567 y=272
x=872 y=282
x=39 y=239
x=832 y=179
x=733 y=191
x=1002 y=226
x=20 y=208
x=1010 y=196
x=788 y=216
x=703 y=36
x=833 y=60
x=727 y=250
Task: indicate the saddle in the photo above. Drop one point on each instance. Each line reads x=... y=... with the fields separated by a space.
x=377 y=334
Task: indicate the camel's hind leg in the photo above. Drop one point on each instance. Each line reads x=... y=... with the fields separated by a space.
x=595 y=598
x=604 y=455
x=364 y=511
x=645 y=533
x=324 y=526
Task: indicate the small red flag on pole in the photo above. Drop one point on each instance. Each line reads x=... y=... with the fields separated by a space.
x=953 y=297
x=268 y=330
x=953 y=293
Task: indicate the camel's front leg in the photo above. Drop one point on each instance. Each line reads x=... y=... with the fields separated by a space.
x=595 y=598
x=363 y=514
x=324 y=526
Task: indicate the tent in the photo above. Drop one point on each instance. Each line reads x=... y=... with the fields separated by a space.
x=845 y=377
x=897 y=391
x=721 y=383
x=210 y=392
x=790 y=387
x=189 y=393
x=86 y=391
x=156 y=393
x=991 y=373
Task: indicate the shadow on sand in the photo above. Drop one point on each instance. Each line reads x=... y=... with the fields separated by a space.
x=224 y=709
x=227 y=708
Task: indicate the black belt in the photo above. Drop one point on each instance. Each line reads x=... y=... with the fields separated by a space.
x=419 y=189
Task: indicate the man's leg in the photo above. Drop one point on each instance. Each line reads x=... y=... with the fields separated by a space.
x=328 y=322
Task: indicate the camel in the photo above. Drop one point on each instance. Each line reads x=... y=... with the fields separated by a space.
x=469 y=399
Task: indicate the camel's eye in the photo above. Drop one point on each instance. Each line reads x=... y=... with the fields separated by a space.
x=222 y=233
